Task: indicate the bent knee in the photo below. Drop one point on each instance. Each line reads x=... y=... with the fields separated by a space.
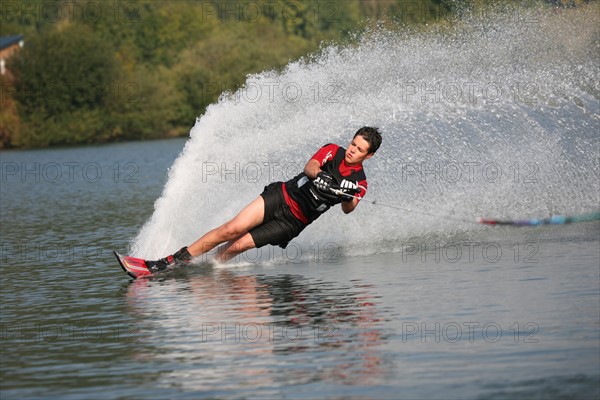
x=231 y=230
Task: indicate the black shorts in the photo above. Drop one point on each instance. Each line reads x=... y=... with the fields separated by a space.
x=279 y=225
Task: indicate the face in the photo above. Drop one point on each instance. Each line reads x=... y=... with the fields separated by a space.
x=357 y=151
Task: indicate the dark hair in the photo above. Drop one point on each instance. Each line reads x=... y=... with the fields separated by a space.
x=371 y=135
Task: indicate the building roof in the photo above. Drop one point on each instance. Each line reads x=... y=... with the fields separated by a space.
x=7 y=41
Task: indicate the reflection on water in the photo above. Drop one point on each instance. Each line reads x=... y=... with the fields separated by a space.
x=226 y=331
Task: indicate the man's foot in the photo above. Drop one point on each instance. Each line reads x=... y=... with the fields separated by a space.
x=182 y=256
x=161 y=264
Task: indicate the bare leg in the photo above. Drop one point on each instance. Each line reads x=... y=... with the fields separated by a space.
x=235 y=247
x=252 y=215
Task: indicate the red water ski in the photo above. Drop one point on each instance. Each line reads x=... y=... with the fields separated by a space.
x=135 y=267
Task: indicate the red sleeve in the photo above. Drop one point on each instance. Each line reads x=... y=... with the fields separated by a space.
x=325 y=153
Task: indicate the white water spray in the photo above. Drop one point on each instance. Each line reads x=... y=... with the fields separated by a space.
x=497 y=117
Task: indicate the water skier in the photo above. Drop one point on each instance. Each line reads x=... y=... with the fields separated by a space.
x=333 y=175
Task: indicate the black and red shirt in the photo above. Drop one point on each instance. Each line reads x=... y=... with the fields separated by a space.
x=306 y=202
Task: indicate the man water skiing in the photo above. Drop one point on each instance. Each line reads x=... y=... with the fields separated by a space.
x=333 y=175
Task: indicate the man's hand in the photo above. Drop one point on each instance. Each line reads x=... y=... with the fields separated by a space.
x=348 y=190
x=323 y=181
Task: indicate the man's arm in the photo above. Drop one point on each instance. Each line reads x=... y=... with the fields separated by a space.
x=324 y=154
x=312 y=168
x=349 y=206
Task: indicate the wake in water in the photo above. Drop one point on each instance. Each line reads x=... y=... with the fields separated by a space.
x=497 y=116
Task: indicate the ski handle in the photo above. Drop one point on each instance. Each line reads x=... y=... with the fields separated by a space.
x=339 y=191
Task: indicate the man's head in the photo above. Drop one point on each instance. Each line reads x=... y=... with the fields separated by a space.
x=364 y=144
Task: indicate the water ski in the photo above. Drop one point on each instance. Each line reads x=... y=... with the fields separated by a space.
x=134 y=267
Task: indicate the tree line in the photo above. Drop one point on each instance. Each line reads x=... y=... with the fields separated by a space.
x=98 y=71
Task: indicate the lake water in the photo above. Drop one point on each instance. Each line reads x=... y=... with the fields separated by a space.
x=497 y=116
x=494 y=313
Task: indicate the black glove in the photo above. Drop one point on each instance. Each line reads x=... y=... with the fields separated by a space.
x=348 y=190
x=323 y=181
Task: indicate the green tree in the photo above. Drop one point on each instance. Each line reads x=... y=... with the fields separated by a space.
x=9 y=119
x=167 y=28
x=64 y=77
x=64 y=70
